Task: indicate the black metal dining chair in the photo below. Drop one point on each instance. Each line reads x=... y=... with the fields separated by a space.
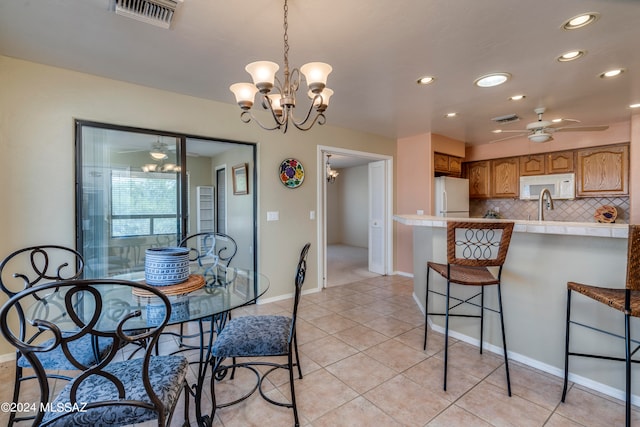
x=31 y=267
x=208 y=250
x=472 y=247
x=106 y=392
x=254 y=339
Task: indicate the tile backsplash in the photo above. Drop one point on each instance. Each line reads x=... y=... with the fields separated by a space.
x=577 y=210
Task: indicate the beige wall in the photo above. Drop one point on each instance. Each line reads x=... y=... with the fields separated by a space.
x=354 y=202
x=38 y=105
x=348 y=208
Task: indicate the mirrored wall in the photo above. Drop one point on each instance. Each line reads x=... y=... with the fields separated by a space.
x=139 y=188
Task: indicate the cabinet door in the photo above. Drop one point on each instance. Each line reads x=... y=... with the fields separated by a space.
x=505 y=177
x=560 y=162
x=440 y=162
x=532 y=165
x=479 y=176
x=455 y=165
x=603 y=171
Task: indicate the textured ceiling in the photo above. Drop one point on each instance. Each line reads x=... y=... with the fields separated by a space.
x=377 y=49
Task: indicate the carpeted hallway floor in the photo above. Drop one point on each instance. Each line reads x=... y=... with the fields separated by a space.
x=347 y=264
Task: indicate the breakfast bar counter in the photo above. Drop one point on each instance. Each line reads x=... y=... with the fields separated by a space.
x=542 y=258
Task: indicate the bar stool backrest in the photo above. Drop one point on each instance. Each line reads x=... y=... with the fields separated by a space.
x=633 y=258
x=478 y=244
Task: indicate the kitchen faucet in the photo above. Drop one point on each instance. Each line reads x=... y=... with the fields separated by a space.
x=543 y=193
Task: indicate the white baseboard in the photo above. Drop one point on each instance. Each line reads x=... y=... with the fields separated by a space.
x=7 y=357
x=536 y=364
x=403 y=273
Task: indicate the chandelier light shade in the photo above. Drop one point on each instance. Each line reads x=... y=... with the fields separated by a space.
x=279 y=96
x=331 y=174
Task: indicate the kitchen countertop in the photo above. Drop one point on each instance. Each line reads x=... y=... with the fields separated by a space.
x=592 y=229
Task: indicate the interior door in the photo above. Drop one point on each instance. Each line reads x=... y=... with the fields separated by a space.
x=377 y=217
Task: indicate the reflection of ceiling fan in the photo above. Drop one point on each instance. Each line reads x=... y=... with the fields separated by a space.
x=542 y=130
x=158 y=151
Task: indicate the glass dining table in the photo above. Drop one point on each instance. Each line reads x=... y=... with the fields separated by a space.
x=216 y=291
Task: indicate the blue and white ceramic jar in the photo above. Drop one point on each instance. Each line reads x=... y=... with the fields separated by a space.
x=166 y=266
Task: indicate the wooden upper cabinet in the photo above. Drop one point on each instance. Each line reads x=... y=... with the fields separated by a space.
x=455 y=165
x=444 y=164
x=533 y=164
x=549 y=163
x=479 y=176
x=505 y=177
x=440 y=162
x=559 y=162
x=602 y=171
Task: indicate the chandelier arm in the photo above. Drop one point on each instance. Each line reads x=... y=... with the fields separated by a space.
x=305 y=125
x=301 y=123
x=247 y=116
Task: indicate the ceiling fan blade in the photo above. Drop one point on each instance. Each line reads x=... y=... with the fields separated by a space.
x=514 y=131
x=582 y=128
x=508 y=137
x=131 y=151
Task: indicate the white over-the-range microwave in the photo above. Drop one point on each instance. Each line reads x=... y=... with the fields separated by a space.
x=561 y=186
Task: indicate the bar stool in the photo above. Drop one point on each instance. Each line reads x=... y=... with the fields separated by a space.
x=625 y=300
x=472 y=247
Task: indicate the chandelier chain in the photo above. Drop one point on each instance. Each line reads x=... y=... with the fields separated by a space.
x=286 y=44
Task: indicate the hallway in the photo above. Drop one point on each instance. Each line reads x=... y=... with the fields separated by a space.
x=347 y=264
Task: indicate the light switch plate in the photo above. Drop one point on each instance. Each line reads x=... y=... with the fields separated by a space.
x=273 y=216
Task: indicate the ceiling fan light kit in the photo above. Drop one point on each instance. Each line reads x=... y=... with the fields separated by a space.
x=281 y=104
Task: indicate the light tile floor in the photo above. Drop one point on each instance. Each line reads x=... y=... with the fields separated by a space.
x=363 y=365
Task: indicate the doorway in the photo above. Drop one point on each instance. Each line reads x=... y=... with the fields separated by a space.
x=355 y=213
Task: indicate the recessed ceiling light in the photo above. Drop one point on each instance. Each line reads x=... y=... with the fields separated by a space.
x=425 y=80
x=517 y=97
x=581 y=20
x=452 y=114
x=497 y=131
x=572 y=55
x=635 y=105
x=493 y=79
x=612 y=73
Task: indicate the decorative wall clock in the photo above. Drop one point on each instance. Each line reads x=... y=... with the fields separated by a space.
x=291 y=173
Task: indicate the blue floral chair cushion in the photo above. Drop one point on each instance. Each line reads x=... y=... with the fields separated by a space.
x=82 y=350
x=253 y=336
x=166 y=374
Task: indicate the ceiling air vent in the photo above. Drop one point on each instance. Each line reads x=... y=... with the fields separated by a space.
x=509 y=118
x=154 y=12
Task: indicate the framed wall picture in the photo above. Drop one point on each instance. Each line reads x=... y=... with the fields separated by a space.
x=240 y=183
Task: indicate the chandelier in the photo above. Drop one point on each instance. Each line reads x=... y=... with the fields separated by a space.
x=279 y=97
x=331 y=174
x=160 y=167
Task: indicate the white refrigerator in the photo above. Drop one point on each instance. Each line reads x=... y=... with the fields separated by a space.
x=451 y=197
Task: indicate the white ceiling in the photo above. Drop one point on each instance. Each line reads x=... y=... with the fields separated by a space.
x=377 y=49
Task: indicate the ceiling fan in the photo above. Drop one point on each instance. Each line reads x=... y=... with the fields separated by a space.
x=543 y=130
